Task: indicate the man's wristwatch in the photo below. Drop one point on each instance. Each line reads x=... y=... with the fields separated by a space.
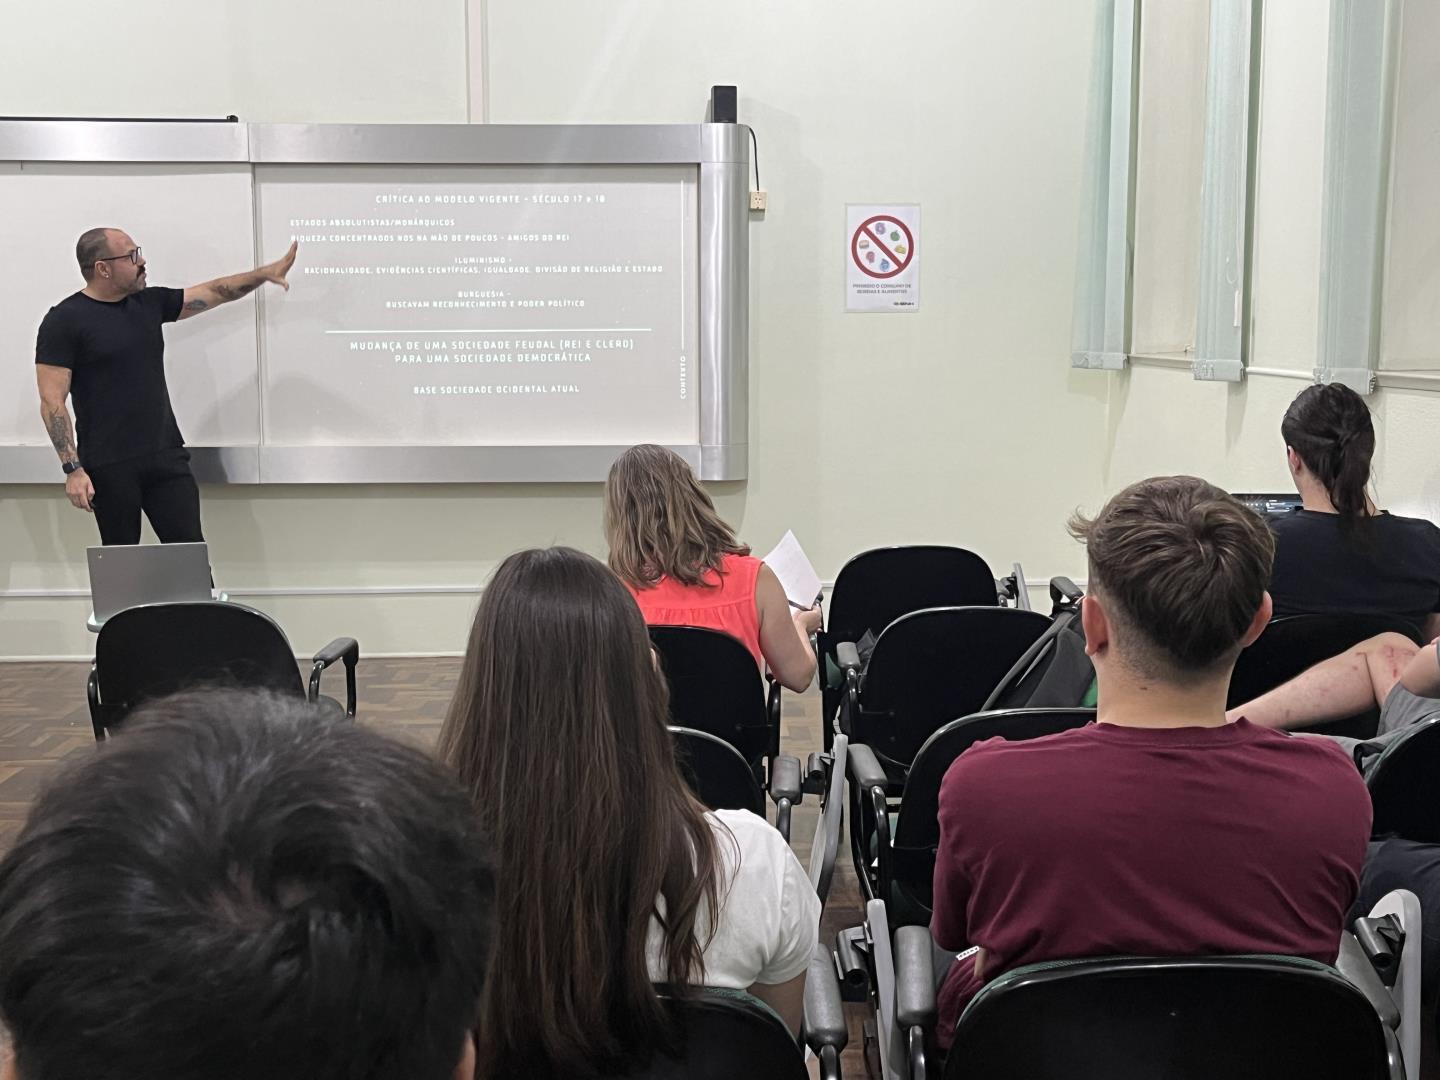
x=71 y=466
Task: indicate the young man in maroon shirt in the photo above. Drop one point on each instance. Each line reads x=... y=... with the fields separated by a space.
x=1161 y=829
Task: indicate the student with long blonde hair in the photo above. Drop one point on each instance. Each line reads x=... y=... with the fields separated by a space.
x=685 y=567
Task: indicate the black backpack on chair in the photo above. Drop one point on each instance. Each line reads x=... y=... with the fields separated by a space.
x=1055 y=672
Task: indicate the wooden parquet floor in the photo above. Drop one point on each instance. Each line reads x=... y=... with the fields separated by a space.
x=44 y=721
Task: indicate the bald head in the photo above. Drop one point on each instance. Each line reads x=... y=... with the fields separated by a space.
x=93 y=245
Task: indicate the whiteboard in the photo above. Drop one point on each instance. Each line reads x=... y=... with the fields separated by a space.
x=195 y=223
x=575 y=289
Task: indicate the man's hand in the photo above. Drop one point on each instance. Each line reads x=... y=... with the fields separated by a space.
x=212 y=294
x=80 y=491
x=275 y=272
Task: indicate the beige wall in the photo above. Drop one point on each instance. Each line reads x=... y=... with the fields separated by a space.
x=960 y=423
x=263 y=60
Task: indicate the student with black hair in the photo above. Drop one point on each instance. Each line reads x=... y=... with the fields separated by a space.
x=235 y=888
x=1338 y=553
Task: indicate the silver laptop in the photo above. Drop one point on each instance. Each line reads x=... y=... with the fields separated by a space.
x=126 y=575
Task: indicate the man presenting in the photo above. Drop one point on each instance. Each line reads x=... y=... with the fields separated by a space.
x=104 y=347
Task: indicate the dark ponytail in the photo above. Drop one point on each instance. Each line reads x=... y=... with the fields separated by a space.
x=1329 y=427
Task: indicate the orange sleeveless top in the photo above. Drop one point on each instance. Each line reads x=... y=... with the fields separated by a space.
x=725 y=602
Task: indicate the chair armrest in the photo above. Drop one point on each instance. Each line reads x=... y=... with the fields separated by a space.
x=785 y=779
x=824 y=1009
x=1022 y=594
x=1065 y=591
x=785 y=790
x=865 y=768
x=342 y=648
x=870 y=781
x=817 y=773
x=1381 y=940
x=772 y=712
x=1355 y=966
x=847 y=655
x=915 y=997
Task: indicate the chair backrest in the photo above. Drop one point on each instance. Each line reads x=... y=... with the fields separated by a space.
x=1402 y=784
x=723 y=1034
x=715 y=771
x=715 y=687
x=917 y=827
x=156 y=649
x=1290 y=645
x=1176 y=1018
x=876 y=587
x=932 y=666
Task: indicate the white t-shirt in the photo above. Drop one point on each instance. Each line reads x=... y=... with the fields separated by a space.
x=769 y=913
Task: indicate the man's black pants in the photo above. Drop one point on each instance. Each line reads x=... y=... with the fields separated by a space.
x=161 y=485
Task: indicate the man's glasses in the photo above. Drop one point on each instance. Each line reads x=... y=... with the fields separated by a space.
x=133 y=255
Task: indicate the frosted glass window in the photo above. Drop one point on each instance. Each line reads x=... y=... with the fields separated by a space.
x=1174 y=50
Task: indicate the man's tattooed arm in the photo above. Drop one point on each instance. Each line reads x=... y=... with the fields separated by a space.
x=212 y=294
x=62 y=434
x=234 y=288
x=54 y=385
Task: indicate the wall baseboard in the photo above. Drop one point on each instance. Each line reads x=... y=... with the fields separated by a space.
x=347 y=591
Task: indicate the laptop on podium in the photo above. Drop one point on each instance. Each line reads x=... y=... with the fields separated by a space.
x=127 y=575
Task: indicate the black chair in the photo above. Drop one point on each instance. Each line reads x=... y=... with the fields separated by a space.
x=898 y=866
x=715 y=686
x=1275 y=1017
x=1175 y=1018
x=723 y=780
x=157 y=649
x=929 y=667
x=1402 y=783
x=723 y=1034
x=1294 y=643
x=876 y=587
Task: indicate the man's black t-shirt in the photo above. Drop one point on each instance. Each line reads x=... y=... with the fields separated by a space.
x=116 y=354
x=1383 y=565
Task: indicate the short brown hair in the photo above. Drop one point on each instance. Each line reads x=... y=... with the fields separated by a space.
x=1183 y=568
x=659 y=522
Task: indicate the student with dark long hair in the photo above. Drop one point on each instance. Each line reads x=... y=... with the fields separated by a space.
x=685 y=567
x=611 y=876
x=1338 y=553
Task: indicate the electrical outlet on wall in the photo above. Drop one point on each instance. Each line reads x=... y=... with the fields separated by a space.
x=757 y=200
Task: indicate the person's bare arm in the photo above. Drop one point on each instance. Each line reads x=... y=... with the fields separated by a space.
x=1422 y=675
x=212 y=294
x=54 y=384
x=787 y=999
x=785 y=638
x=1358 y=679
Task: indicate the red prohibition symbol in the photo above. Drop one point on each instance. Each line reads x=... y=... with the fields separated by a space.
x=880 y=241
